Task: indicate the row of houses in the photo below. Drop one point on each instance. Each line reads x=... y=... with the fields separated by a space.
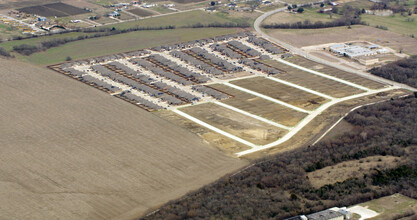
x=209 y=91
x=268 y=46
x=259 y=66
x=224 y=64
x=208 y=69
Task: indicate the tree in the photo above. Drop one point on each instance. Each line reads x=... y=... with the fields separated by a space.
x=322 y=5
x=68 y=58
x=289 y=7
x=300 y=10
x=212 y=3
x=294 y=6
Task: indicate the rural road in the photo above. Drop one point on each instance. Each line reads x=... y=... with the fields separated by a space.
x=295 y=50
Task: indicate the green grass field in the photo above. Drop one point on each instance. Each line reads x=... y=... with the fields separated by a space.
x=161 y=10
x=397 y=23
x=308 y=14
x=121 y=43
x=178 y=20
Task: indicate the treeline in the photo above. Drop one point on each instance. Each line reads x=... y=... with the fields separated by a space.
x=27 y=50
x=387 y=6
x=403 y=71
x=278 y=187
x=4 y=53
x=307 y=24
x=349 y=16
x=219 y=25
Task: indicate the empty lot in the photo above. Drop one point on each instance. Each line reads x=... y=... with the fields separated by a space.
x=311 y=81
x=262 y=107
x=70 y=151
x=282 y=92
x=235 y=123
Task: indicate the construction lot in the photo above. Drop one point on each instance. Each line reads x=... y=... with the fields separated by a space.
x=238 y=92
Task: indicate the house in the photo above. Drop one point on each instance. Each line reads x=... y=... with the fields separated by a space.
x=42 y=19
x=324 y=10
x=326 y=215
x=114 y=14
x=333 y=3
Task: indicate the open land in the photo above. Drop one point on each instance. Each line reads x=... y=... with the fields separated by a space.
x=237 y=124
x=351 y=77
x=261 y=107
x=351 y=169
x=390 y=207
x=142 y=12
x=62 y=135
x=311 y=37
x=321 y=84
x=53 y=10
x=282 y=92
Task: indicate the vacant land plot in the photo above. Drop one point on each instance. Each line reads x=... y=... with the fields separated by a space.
x=240 y=125
x=122 y=43
x=392 y=206
x=78 y=153
x=310 y=14
x=309 y=37
x=52 y=10
x=142 y=12
x=261 y=107
x=350 y=169
x=312 y=81
x=397 y=23
x=282 y=92
x=223 y=143
x=351 y=77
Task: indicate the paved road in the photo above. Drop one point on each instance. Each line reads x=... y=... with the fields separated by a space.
x=295 y=50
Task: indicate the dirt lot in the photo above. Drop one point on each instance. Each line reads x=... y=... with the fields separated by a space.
x=309 y=37
x=282 y=92
x=351 y=77
x=53 y=10
x=262 y=107
x=223 y=143
x=142 y=12
x=240 y=125
x=314 y=82
x=70 y=151
x=348 y=169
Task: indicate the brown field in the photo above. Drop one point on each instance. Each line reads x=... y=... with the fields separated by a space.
x=390 y=207
x=350 y=169
x=282 y=92
x=70 y=151
x=223 y=143
x=187 y=1
x=235 y=123
x=314 y=82
x=350 y=77
x=53 y=10
x=309 y=37
x=261 y=107
x=142 y=12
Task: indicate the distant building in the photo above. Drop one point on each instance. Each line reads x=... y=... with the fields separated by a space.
x=326 y=215
x=324 y=10
x=351 y=51
x=114 y=14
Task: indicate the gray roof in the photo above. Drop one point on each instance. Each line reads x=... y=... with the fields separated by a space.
x=324 y=215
